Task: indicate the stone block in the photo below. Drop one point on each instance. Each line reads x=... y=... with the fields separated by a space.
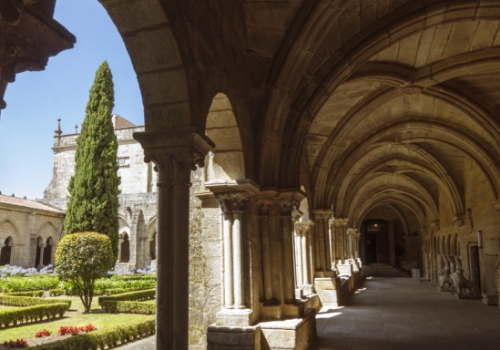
x=296 y=333
x=234 y=318
x=226 y=338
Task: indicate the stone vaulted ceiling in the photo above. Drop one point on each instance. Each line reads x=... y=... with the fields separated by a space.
x=361 y=102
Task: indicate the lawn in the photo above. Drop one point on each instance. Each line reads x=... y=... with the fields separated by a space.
x=74 y=317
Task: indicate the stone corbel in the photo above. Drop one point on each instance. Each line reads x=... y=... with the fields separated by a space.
x=458 y=219
x=435 y=226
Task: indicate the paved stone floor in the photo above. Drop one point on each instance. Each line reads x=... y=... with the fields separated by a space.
x=392 y=313
x=398 y=313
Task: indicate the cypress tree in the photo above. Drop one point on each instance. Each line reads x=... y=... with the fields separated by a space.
x=93 y=189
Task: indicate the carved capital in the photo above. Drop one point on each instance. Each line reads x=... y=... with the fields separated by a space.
x=231 y=202
x=289 y=201
x=351 y=231
x=264 y=205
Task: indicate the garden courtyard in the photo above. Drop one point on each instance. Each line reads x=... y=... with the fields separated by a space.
x=39 y=311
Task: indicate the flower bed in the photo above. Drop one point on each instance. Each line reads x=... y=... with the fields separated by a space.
x=103 y=339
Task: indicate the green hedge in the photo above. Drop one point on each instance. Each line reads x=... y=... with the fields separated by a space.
x=31 y=293
x=27 y=301
x=56 y=292
x=32 y=313
x=128 y=307
x=103 y=339
x=132 y=296
x=111 y=291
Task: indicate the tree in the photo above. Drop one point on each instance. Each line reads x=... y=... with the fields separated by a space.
x=81 y=258
x=93 y=189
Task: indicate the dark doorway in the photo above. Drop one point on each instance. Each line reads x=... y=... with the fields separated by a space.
x=474 y=266
x=376 y=242
x=125 y=249
x=47 y=253
x=5 y=253
x=152 y=247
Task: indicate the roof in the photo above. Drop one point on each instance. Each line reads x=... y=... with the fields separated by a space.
x=120 y=122
x=26 y=203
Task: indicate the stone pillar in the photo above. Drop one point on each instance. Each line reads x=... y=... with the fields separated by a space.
x=287 y=203
x=392 y=244
x=42 y=248
x=333 y=245
x=233 y=280
x=265 y=203
x=303 y=256
x=340 y=235
x=175 y=154
x=357 y=239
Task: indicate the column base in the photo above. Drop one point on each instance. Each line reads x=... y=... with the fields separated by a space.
x=293 y=334
x=468 y=296
x=489 y=299
x=244 y=338
x=233 y=318
x=293 y=310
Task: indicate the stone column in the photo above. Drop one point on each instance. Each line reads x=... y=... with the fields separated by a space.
x=340 y=235
x=265 y=203
x=333 y=245
x=42 y=248
x=232 y=206
x=303 y=256
x=288 y=202
x=175 y=154
x=357 y=238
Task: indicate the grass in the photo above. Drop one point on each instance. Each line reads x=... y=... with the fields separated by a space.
x=74 y=317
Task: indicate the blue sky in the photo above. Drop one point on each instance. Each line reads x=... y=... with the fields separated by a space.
x=37 y=99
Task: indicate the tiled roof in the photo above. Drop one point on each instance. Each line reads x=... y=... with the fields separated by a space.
x=120 y=122
x=26 y=203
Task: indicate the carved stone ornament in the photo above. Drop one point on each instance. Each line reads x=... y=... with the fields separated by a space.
x=232 y=201
x=458 y=220
x=264 y=205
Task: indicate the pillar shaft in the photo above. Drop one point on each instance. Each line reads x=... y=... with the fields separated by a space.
x=228 y=261
x=175 y=154
x=264 y=224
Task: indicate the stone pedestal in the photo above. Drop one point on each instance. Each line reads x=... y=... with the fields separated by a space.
x=234 y=318
x=241 y=338
x=328 y=290
x=292 y=334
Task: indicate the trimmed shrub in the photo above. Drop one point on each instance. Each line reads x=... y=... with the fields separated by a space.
x=34 y=293
x=82 y=258
x=132 y=296
x=128 y=307
x=27 y=301
x=102 y=339
x=56 y=292
x=32 y=314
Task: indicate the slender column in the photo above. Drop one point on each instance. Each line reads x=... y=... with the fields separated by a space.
x=299 y=233
x=42 y=248
x=228 y=261
x=264 y=205
x=357 y=238
x=288 y=202
x=175 y=154
x=318 y=219
x=239 y=298
x=333 y=245
x=234 y=288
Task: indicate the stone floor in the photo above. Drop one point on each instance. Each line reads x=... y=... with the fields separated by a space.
x=392 y=313
x=398 y=313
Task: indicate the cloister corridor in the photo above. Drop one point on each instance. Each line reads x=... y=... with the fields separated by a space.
x=398 y=313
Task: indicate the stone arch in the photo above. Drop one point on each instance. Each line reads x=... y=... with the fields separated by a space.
x=336 y=68
x=225 y=164
x=9 y=229
x=152 y=239
x=45 y=231
x=153 y=48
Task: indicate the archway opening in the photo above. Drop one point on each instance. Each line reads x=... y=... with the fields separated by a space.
x=47 y=252
x=125 y=249
x=6 y=251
